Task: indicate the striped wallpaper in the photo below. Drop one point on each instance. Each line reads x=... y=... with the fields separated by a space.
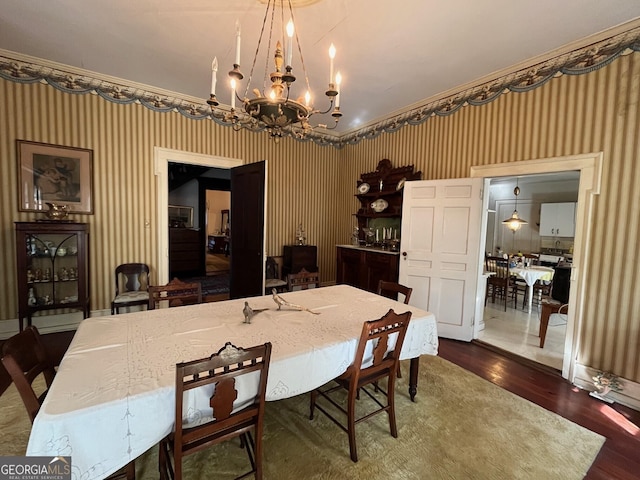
x=314 y=185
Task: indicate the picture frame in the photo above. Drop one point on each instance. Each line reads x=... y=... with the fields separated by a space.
x=55 y=174
x=180 y=216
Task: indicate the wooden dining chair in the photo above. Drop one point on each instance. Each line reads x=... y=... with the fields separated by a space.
x=392 y=289
x=132 y=284
x=25 y=358
x=176 y=292
x=218 y=420
x=499 y=281
x=272 y=276
x=303 y=280
x=375 y=360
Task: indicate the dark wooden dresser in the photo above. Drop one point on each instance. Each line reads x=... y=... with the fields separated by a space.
x=186 y=252
x=297 y=257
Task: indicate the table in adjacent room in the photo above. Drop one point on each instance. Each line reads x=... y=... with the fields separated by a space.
x=531 y=275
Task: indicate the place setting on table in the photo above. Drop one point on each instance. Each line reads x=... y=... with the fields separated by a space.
x=118 y=375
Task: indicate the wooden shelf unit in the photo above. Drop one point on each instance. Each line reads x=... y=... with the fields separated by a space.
x=391 y=192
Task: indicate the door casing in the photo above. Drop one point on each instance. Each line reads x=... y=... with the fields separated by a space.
x=590 y=167
x=161 y=158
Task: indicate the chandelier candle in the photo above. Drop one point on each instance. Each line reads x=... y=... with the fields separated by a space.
x=332 y=55
x=289 y=42
x=214 y=75
x=237 y=43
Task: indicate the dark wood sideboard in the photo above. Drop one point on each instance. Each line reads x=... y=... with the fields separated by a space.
x=364 y=267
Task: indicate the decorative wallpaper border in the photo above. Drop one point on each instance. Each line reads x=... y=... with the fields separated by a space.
x=578 y=62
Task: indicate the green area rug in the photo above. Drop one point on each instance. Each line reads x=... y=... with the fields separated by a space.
x=461 y=427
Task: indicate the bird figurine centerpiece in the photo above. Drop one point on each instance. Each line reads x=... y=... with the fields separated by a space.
x=250 y=312
x=281 y=302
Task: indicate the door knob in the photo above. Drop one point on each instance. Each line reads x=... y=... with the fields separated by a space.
x=404 y=254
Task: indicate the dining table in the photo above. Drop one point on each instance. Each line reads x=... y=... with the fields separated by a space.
x=531 y=275
x=113 y=397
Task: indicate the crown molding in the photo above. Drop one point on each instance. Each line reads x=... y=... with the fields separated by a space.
x=580 y=57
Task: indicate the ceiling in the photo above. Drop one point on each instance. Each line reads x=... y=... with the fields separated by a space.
x=391 y=58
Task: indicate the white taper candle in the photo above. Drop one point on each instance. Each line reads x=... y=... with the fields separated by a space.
x=214 y=75
x=237 y=42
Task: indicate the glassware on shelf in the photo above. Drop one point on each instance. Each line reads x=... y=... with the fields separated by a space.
x=369 y=236
x=355 y=237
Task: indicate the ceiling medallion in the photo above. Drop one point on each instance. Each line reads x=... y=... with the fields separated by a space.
x=273 y=109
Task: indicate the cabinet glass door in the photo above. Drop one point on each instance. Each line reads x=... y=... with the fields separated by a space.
x=52 y=269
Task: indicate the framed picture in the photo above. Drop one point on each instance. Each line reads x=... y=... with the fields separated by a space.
x=54 y=174
x=180 y=216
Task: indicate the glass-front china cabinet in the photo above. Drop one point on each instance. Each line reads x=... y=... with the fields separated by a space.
x=53 y=267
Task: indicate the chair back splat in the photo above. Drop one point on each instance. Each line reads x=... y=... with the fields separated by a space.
x=303 y=280
x=176 y=292
x=377 y=358
x=229 y=413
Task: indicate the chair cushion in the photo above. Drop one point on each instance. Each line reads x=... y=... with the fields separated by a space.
x=131 y=297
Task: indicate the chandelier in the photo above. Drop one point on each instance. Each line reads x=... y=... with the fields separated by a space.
x=514 y=222
x=272 y=108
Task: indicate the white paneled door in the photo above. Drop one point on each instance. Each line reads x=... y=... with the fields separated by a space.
x=440 y=250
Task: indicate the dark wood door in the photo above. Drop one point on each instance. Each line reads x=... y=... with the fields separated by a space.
x=247 y=230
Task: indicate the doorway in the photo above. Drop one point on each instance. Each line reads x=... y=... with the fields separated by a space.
x=516 y=329
x=590 y=168
x=162 y=157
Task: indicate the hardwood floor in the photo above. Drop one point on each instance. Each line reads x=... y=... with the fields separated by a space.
x=619 y=457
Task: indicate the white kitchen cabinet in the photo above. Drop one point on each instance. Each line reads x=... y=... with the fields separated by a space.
x=558 y=219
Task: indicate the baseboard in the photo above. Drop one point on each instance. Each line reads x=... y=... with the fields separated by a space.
x=629 y=396
x=514 y=356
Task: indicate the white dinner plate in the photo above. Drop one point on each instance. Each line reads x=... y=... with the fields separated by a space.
x=363 y=188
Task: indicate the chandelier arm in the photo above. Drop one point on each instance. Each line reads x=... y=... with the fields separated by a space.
x=325 y=111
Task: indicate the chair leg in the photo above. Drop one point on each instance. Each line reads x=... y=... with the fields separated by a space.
x=312 y=404
x=391 y=387
x=131 y=470
x=257 y=450
x=351 y=425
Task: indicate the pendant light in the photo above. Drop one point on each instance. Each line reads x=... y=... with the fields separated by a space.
x=514 y=222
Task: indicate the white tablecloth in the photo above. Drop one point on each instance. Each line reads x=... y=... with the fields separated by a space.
x=113 y=395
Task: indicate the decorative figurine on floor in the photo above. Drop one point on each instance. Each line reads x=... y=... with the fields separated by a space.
x=282 y=302
x=250 y=312
x=604 y=383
